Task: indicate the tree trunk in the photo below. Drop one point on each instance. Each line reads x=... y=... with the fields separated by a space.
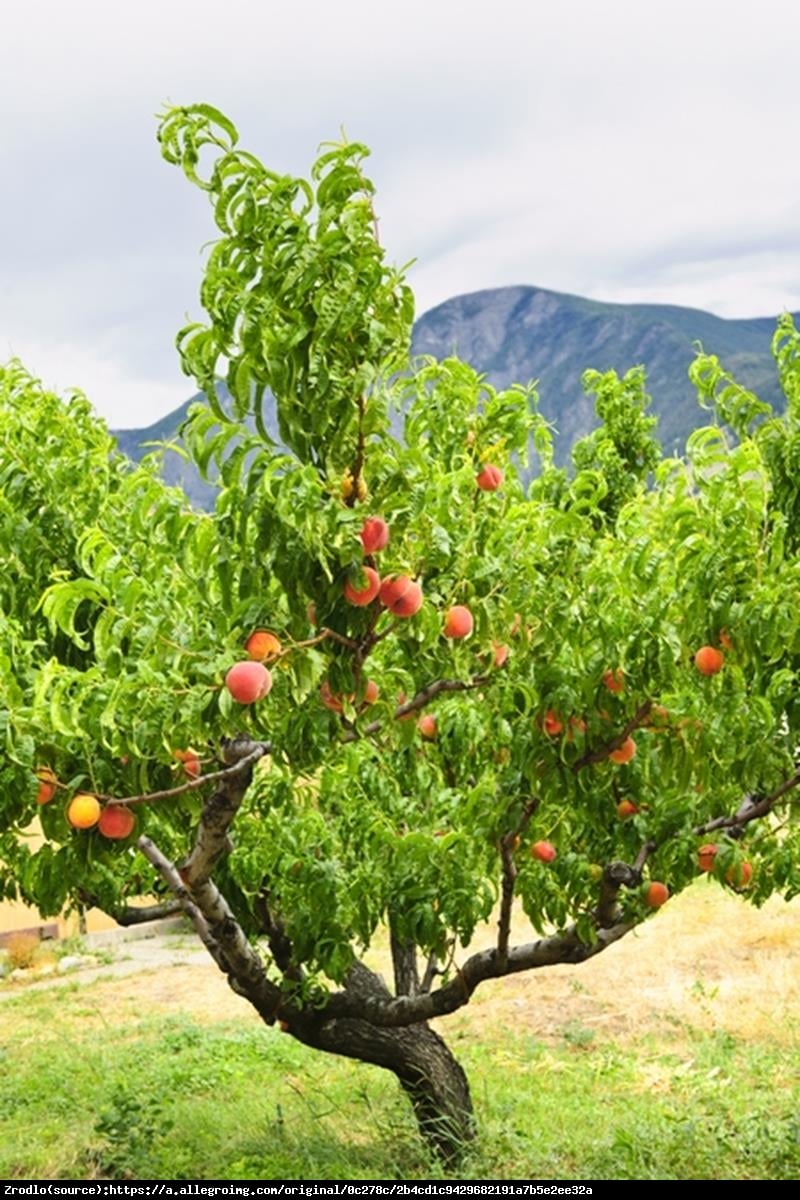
x=431 y=1077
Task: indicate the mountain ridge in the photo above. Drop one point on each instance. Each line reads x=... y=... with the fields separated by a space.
x=521 y=333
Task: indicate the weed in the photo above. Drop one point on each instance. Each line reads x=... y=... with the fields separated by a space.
x=22 y=950
x=127 y=1130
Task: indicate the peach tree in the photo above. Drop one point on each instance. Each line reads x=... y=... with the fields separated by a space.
x=385 y=695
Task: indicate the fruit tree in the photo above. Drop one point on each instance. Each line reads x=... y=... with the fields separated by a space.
x=467 y=675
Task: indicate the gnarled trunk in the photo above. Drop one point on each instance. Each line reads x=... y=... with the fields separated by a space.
x=431 y=1077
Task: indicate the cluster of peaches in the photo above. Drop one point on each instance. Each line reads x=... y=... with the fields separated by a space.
x=114 y=820
x=250 y=680
x=84 y=810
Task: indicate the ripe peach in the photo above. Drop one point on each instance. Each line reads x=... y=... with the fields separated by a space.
x=83 y=811
x=709 y=660
x=334 y=703
x=489 y=478
x=374 y=535
x=551 y=723
x=427 y=727
x=458 y=622
x=614 y=680
x=401 y=595
x=248 y=681
x=706 y=856
x=499 y=654
x=361 y=596
x=371 y=691
x=116 y=822
x=656 y=894
x=626 y=808
x=47 y=785
x=191 y=762
x=544 y=851
x=625 y=752
x=740 y=874
x=262 y=645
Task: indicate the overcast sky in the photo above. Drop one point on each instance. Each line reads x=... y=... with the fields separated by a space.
x=629 y=150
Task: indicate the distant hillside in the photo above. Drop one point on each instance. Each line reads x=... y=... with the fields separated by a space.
x=516 y=334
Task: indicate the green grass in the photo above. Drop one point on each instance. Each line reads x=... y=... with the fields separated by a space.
x=87 y=1091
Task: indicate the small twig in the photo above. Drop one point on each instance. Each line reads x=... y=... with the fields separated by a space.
x=314 y=641
x=417 y=702
x=751 y=811
x=340 y=637
x=261 y=749
x=602 y=753
x=508 y=844
x=647 y=849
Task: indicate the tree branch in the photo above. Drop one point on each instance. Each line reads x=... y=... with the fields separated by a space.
x=404 y=961
x=508 y=844
x=616 y=875
x=750 y=809
x=603 y=751
x=419 y=701
x=408 y=1010
x=211 y=840
x=259 y=749
x=133 y=915
x=220 y=933
x=169 y=873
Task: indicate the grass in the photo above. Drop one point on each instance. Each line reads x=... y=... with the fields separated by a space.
x=89 y=1090
x=671 y=1056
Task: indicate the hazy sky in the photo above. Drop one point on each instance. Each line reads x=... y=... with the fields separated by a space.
x=631 y=150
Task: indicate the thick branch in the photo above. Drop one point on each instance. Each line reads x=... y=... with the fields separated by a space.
x=211 y=841
x=603 y=751
x=430 y=973
x=169 y=873
x=131 y=915
x=220 y=933
x=615 y=876
x=408 y=1010
x=404 y=961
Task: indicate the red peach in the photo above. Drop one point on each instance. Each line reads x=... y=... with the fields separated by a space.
x=490 y=478
x=116 y=822
x=401 y=595
x=374 y=535
x=458 y=622
x=248 y=681
x=362 y=596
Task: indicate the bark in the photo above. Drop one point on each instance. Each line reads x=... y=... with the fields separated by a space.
x=431 y=1077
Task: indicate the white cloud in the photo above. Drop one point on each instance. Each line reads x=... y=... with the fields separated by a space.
x=124 y=398
x=620 y=150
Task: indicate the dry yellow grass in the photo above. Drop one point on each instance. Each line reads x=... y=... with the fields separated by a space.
x=708 y=959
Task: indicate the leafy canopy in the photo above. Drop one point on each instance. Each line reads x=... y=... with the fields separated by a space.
x=121 y=609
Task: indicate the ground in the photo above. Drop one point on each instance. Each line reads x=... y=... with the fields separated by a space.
x=707 y=958
x=667 y=1057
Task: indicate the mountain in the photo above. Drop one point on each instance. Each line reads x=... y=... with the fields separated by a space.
x=515 y=334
